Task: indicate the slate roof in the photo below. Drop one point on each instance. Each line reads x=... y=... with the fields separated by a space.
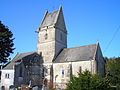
x=50 y=19
x=81 y=53
x=17 y=57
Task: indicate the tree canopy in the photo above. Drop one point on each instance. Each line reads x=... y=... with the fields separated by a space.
x=88 y=81
x=6 y=43
x=113 y=70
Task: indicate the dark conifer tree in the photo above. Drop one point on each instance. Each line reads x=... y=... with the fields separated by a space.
x=6 y=43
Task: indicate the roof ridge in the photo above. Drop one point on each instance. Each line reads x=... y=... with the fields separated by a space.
x=27 y=52
x=52 y=11
x=81 y=46
x=17 y=57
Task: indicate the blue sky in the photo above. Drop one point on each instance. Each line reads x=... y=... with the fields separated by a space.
x=87 y=22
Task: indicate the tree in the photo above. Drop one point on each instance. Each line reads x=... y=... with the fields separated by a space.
x=87 y=81
x=6 y=43
x=113 y=70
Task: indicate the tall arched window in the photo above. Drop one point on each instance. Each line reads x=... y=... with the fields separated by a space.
x=62 y=72
x=20 y=75
x=80 y=69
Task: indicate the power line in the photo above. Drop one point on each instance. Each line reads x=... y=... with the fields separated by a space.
x=112 y=39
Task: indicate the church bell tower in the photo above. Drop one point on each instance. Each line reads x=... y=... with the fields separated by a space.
x=52 y=35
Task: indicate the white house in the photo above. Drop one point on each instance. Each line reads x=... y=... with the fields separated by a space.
x=7 y=75
x=7 y=78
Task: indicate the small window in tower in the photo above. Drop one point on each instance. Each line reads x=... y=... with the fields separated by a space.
x=46 y=36
x=40 y=53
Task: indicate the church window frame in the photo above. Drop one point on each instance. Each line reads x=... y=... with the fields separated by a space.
x=48 y=71
x=62 y=72
x=46 y=36
x=20 y=73
x=43 y=72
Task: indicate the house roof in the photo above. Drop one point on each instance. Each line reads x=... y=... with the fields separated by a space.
x=17 y=57
x=82 y=53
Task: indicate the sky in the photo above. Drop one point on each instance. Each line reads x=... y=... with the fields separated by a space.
x=87 y=21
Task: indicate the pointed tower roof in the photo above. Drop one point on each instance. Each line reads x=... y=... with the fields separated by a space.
x=50 y=18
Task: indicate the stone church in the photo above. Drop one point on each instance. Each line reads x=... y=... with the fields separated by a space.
x=53 y=63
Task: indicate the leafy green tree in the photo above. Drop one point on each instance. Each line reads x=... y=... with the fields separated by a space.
x=87 y=81
x=113 y=71
x=6 y=43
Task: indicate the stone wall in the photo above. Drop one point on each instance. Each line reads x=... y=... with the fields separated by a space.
x=61 y=74
x=100 y=62
x=46 y=46
x=81 y=66
x=63 y=71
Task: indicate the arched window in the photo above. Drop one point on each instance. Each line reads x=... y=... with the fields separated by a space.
x=63 y=72
x=46 y=36
x=68 y=71
x=20 y=75
x=43 y=73
x=80 y=69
